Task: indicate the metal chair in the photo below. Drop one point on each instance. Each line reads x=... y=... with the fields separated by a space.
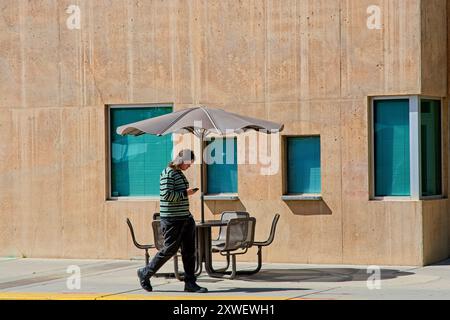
x=239 y=237
x=225 y=217
x=159 y=244
x=145 y=247
x=261 y=244
x=220 y=240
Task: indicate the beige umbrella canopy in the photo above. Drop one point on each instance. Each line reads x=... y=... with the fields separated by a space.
x=200 y=121
x=197 y=120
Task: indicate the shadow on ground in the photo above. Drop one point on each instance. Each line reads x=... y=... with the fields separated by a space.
x=301 y=276
x=240 y=290
x=445 y=262
x=321 y=275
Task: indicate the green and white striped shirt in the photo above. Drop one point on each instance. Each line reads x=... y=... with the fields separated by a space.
x=174 y=201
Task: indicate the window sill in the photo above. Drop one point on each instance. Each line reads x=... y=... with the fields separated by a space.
x=149 y=198
x=302 y=197
x=407 y=199
x=224 y=196
x=427 y=198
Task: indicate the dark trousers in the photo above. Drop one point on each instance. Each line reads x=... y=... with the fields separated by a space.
x=177 y=233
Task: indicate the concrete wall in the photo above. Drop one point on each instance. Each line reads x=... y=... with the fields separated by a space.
x=310 y=64
x=434 y=82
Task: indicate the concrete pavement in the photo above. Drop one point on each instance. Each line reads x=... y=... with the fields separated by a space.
x=116 y=279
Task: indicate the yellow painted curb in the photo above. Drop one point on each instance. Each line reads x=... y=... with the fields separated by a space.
x=109 y=296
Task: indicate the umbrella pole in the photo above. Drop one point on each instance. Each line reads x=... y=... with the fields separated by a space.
x=202 y=193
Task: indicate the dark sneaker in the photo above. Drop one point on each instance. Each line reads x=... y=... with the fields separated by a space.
x=144 y=280
x=193 y=287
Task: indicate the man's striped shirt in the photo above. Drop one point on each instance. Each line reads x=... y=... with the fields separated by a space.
x=174 y=200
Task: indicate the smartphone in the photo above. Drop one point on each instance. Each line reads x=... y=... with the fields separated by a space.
x=195 y=189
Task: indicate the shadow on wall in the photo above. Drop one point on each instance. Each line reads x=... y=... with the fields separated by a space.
x=445 y=262
x=218 y=206
x=322 y=275
x=307 y=208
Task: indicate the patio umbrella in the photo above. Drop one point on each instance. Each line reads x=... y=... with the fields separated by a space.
x=199 y=121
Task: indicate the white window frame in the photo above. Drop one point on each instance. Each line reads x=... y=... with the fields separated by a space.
x=300 y=196
x=225 y=195
x=414 y=150
x=109 y=107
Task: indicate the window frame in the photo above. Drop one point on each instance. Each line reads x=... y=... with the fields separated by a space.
x=223 y=195
x=299 y=196
x=415 y=138
x=441 y=100
x=108 y=179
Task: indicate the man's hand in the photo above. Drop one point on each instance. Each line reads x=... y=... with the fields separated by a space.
x=191 y=191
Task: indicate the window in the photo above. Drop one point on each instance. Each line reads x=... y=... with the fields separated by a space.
x=303 y=165
x=391 y=138
x=407 y=155
x=430 y=146
x=221 y=168
x=136 y=162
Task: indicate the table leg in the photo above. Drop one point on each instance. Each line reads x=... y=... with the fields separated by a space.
x=207 y=250
x=199 y=252
x=207 y=259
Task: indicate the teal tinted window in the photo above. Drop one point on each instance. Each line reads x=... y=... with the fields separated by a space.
x=430 y=126
x=391 y=147
x=303 y=165
x=136 y=162
x=221 y=168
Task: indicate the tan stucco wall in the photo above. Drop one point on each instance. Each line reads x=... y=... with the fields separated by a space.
x=434 y=82
x=434 y=48
x=309 y=64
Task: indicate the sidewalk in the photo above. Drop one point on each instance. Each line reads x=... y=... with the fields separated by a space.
x=116 y=279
